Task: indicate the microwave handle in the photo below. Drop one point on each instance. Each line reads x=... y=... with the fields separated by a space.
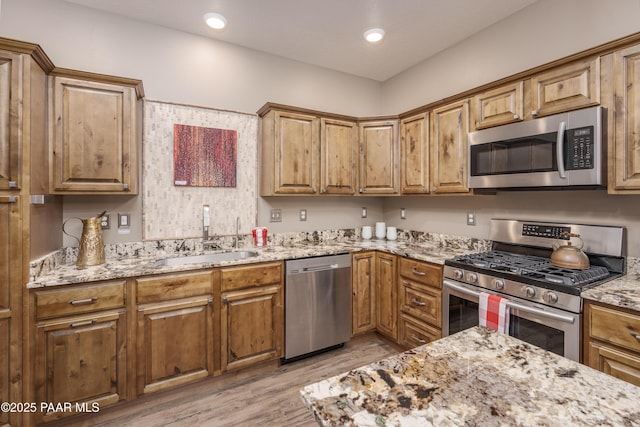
x=560 y=149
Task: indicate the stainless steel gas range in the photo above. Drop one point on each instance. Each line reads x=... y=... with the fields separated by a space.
x=543 y=299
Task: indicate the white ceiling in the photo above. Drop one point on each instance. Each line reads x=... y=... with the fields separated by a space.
x=328 y=33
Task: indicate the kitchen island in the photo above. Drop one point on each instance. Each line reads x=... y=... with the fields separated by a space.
x=475 y=377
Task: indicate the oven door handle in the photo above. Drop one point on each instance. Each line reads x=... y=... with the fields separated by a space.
x=514 y=305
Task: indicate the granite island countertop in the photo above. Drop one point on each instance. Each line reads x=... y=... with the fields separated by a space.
x=474 y=378
x=128 y=265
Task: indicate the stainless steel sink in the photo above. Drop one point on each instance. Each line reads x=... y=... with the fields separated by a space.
x=199 y=259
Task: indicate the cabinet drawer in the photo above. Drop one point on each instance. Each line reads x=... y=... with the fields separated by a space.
x=66 y=301
x=616 y=327
x=174 y=286
x=421 y=301
x=414 y=333
x=248 y=276
x=421 y=272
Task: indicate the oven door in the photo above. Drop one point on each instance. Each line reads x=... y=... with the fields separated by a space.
x=545 y=327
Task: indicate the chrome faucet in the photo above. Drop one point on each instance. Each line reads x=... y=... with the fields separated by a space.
x=237 y=231
x=206 y=218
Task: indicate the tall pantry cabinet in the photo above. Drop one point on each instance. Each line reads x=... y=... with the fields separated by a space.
x=23 y=174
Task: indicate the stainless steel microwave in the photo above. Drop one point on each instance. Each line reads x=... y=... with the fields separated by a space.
x=563 y=150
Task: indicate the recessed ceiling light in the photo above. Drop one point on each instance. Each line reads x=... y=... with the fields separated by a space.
x=215 y=20
x=374 y=35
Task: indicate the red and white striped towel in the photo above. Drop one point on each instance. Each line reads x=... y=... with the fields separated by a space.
x=494 y=312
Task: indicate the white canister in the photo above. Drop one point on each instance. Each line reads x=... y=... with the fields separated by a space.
x=392 y=233
x=366 y=232
x=381 y=230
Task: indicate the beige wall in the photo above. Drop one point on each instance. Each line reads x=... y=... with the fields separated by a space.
x=183 y=68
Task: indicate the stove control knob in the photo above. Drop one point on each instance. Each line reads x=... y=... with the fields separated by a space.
x=551 y=297
x=498 y=284
x=472 y=277
x=529 y=292
x=458 y=274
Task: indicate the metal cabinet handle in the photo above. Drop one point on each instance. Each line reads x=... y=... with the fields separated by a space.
x=635 y=335
x=516 y=117
x=79 y=324
x=418 y=303
x=419 y=273
x=534 y=112
x=416 y=339
x=83 y=301
x=225 y=300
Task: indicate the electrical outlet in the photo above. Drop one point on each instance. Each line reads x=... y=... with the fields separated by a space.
x=471 y=218
x=303 y=214
x=105 y=222
x=363 y=214
x=403 y=213
x=276 y=215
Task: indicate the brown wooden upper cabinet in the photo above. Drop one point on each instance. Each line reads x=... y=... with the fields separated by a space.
x=564 y=88
x=290 y=153
x=498 y=106
x=624 y=155
x=414 y=154
x=10 y=100
x=93 y=133
x=338 y=156
x=379 y=152
x=449 y=130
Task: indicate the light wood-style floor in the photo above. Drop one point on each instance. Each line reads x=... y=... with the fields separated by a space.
x=264 y=396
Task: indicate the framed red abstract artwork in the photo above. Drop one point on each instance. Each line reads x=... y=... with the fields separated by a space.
x=204 y=157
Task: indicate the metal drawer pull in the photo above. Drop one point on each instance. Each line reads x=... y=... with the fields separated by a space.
x=78 y=324
x=418 y=273
x=418 y=303
x=83 y=301
x=635 y=335
x=416 y=339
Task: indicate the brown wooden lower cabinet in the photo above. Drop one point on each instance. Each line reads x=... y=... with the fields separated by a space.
x=175 y=343
x=80 y=359
x=386 y=295
x=174 y=331
x=612 y=341
x=252 y=314
x=363 y=287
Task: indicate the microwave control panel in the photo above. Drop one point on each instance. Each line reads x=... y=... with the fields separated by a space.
x=579 y=147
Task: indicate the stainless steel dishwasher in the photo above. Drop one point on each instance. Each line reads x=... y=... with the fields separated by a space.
x=317 y=305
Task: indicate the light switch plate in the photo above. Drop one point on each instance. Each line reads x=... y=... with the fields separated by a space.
x=124 y=220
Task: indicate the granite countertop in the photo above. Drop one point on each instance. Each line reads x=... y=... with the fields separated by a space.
x=622 y=292
x=117 y=267
x=474 y=378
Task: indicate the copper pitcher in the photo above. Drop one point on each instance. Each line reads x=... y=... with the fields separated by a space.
x=90 y=244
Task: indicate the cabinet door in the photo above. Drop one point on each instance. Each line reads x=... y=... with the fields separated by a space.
x=80 y=359
x=252 y=326
x=414 y=154
x=386 y=293
x=620 y=364
x=566 y=88
x=624 y=162
x=296 y=153
x=175 y=343
x=10 y=303
x=498 y=106
x=449 y=127
x=338 y=152
x=364 y=292
x=378 y=157
x=10 y=117
x=94 y=137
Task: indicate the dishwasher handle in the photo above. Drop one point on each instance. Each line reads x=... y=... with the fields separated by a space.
x=319 y=268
